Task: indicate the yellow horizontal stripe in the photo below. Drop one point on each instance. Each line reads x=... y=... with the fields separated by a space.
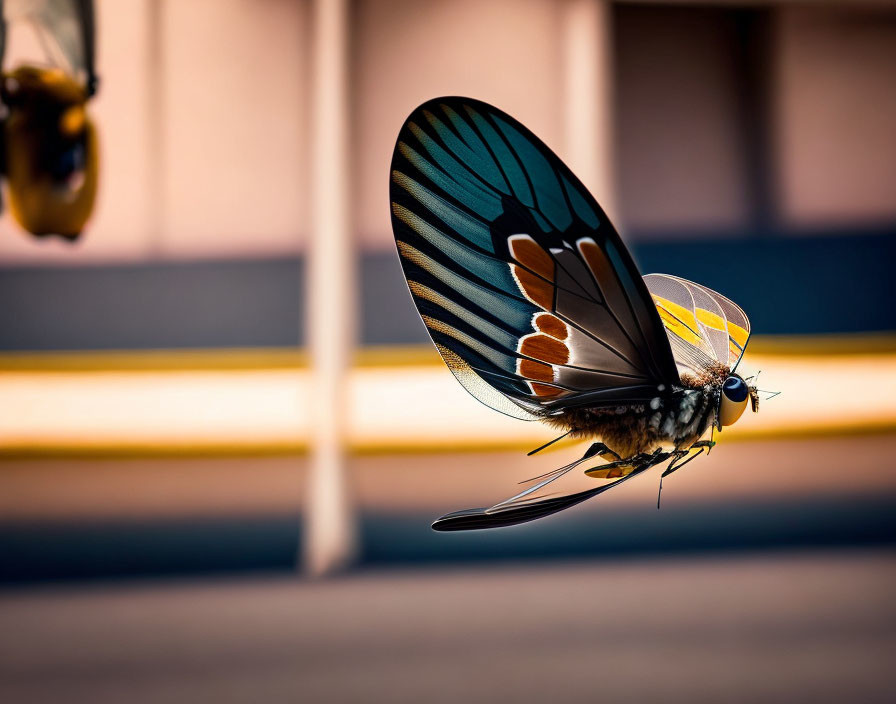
x=710 y=319
x=206 y=360
x=683 y=314
x=127 y=450
x=738 y=334
x=685 y=317
x=675 y=325
x=879 y=343
x=155 y=360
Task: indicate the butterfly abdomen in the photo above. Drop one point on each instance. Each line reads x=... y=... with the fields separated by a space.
x=678 y=418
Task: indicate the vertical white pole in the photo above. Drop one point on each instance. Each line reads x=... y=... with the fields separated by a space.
x=588 y=96
x=330 y=540
x=156 y=197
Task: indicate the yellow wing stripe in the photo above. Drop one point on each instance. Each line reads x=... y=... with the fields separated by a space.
x=683 y=323
x=710 y=319
x=680 y=312
x=738 y=334
x=734 y=351
x=678 y=320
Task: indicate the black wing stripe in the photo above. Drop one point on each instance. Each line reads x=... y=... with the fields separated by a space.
x=613 y=295
x=468 y=134
x=472 y=229
x=482 y=163
x=485 y=267
x=499 y=359
x=488 y=269
x=507 y=340
x=481 y=202
x=516 y=311
x=449 y=164
x=511 y=168
x=498 y=376
x=548 y=190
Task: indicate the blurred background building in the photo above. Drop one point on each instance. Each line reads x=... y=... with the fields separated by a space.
x=155 y=398
x=768 y=126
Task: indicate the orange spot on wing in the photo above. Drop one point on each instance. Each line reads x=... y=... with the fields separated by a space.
x=537 y=290
x=535 y=370
x=596 y=259
x=544 y=391
x=545 y=348
x=552 y=325
x=528 y=253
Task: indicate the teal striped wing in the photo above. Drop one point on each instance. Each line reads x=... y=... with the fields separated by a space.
x=525 y=287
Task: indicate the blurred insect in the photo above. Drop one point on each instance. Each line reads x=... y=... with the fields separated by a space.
x=539 y=311
x=48 y=140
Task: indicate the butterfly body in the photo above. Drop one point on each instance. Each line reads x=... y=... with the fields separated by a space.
x=675 y=417
x=539 y=311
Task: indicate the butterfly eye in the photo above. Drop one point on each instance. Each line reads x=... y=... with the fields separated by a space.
x=733 y=401
x=735 y=389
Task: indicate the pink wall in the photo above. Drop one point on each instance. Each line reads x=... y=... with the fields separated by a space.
x=506 y=52
x=234 y=79
x=679 y=154
x=836 y=136
x=203 y=116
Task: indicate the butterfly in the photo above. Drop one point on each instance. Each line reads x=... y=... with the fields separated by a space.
x=539 y=311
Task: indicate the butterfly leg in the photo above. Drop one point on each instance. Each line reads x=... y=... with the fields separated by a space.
x=681 y=455
x=597 y=449
x=700 y=446
x=709 y=444
x=600 y=450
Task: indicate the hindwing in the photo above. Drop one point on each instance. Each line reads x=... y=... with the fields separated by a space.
x=703 y=326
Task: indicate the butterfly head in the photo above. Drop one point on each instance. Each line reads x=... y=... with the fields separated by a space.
x=733 y=399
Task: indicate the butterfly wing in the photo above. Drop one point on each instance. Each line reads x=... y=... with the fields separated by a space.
x=526 y=289
x=526 y=507
x=703 y=326
x=737 y=325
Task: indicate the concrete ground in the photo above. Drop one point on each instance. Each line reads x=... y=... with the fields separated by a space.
x=789 y=627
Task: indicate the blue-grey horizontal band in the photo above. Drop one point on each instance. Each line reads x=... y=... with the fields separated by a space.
x=103 y=549
x=809 y=284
